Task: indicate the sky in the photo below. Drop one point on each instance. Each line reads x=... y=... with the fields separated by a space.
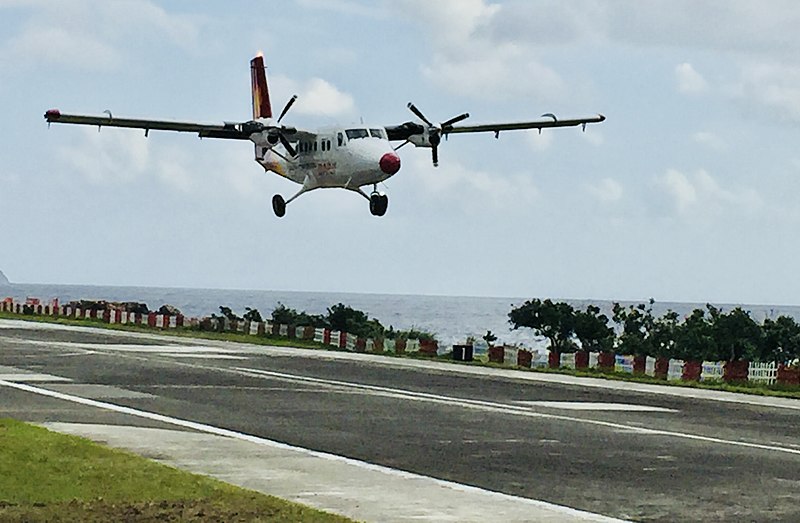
x=687 y=192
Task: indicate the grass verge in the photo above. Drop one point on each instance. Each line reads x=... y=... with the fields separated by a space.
x=46 y=476
x=757 y=389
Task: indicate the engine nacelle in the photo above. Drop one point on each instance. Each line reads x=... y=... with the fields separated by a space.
x=421 y=140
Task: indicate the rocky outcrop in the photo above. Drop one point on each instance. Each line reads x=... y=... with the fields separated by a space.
x=103 y=305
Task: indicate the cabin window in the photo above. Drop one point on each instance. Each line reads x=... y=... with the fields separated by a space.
x=315 y=146
x=353 y=134
x=376 y=133
x=340 y=139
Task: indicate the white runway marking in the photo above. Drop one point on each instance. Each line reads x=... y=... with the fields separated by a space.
x=95 y=391
x=174 y=351
x=591 y=406
x=509 y=409
x=204 y=355
x=31 y=377
x=537 y=510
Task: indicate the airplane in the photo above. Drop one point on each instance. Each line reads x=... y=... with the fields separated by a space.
x=348 y=157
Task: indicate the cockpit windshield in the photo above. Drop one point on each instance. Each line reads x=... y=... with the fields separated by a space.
x=377 y=133
x=353 y=134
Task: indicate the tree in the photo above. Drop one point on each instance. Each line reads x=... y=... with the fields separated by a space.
x=736 y=335
x=694 y=338
x=637 y=324
x=228 y=313
x=283 y=315
x=781 y=340
x=346 y=319
x=592 y=330
x=489 y=338
x=554 y=321
x=252 y=315
x=663 y=334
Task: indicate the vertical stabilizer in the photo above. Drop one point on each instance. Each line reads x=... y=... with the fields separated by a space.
x=261 y=105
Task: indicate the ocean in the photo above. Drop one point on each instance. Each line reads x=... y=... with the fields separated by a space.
x=451 y=318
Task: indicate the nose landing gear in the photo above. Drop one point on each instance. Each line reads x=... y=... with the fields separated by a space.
x=378 y=203
x=279 y=205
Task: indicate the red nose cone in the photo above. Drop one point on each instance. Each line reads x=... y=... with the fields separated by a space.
x=390 y=163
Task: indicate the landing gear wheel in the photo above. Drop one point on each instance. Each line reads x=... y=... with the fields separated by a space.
x=384 y=204
x=378 y=203
x=279 y=205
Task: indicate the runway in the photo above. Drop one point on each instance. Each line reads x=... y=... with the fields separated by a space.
x=404 y=440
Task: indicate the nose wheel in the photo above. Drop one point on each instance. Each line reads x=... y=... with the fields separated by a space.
x=279 y=205
x=378 y=203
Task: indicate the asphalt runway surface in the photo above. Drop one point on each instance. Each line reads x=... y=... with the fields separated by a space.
x=627 y=451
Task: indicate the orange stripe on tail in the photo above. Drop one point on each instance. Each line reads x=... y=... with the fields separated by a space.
x=261 y=104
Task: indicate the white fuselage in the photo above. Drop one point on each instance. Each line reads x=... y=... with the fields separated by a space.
x=345 y=157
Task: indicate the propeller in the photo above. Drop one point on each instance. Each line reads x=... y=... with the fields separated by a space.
x=278 y=134
x=435 y=131
x=288 y=106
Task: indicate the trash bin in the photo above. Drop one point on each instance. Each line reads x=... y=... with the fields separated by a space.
x=462 y=352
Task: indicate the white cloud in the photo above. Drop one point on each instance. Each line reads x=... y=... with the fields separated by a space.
x=607 y=190
x=92 y=34
x=594 y=136
x=680 y=188
x=316 y=97
x=346 y=7
x=774 y=87
x=468 y=60
x=699 y=194
x=126 y=159
x=730 y=26
x=323 y=98
x=457 y=184
x=710 y=140
x=503 y=72
x=172 y=168
x=106 y=157
x=689 y=80
x=59 y=47
x=127 y=18
x=451 y=22
x=540 y=141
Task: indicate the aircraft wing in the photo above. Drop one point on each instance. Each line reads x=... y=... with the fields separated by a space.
x=231 y=131
x=548 y=121
x=409 y=129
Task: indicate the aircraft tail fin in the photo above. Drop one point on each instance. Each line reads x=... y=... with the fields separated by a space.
x=261 y=104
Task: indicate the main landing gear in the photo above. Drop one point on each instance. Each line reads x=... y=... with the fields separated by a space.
x=378 y=203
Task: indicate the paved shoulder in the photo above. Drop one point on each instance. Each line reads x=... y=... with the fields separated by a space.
x=349 y=487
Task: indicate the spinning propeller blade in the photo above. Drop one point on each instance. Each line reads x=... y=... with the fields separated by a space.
x=413 y=109
x=286 y=108
x=435 y=131
x=456 y=119
x=286 y=145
